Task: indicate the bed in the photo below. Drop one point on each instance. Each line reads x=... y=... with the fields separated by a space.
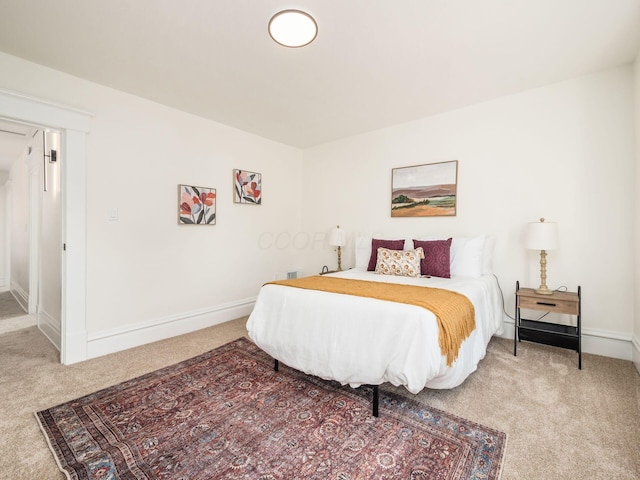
x=365 y=341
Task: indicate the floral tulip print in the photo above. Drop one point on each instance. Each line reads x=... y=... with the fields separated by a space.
x=197 y=205
x=248 y=187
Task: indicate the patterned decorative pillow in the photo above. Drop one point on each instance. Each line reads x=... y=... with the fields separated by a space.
x=399 y=262
x=437 y=258
x=377 y=243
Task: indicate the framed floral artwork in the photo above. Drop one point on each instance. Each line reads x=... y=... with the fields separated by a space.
x=196 y=205
x=424 y=190
x=247 y=187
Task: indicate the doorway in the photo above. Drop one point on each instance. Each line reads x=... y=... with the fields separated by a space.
x=30 y=267
x=73 y=126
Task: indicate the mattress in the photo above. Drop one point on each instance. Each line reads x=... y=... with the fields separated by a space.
x=356 y=340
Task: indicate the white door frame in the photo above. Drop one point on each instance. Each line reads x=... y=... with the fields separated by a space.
x=73 y=125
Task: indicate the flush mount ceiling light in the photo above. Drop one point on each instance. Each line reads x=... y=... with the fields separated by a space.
x=293 y=28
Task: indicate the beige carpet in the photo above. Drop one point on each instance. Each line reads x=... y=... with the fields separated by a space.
x=17 y=323
x=9 y=306
x=12 y=315
x=562 y=423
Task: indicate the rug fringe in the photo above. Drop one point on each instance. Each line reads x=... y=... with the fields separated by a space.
x=46 y=436
x=504 y=455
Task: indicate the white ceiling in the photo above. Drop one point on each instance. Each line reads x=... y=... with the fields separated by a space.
x=374 y=63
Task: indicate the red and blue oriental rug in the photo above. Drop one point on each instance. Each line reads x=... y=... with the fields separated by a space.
x=227 y=414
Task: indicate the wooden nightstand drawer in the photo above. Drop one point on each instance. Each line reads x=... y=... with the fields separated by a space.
x=558 y=302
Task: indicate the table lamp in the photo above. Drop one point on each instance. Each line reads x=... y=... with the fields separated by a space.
x=542 y=236
x=337 y=240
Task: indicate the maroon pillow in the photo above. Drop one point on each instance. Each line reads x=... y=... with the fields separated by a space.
x=436 y=261
x=377 y=243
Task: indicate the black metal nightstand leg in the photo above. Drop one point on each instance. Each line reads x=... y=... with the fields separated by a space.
x=515 y=325
x=376 y=400
x=579 y=360
x=579 y=328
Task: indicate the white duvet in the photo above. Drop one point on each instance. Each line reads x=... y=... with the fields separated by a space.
x=358 y=341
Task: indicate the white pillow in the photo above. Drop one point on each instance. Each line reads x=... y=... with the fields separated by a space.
x=467 y=256
x=487 y=254
x=363 y=252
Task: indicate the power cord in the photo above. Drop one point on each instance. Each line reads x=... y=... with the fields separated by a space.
x=502 y=297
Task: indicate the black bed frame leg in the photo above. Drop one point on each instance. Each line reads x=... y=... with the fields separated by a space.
x=376 y=398
x=376 y=392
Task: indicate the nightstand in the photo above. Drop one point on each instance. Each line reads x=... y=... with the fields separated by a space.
x=557 y=335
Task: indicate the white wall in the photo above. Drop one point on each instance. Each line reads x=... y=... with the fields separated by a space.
x=147 y=276
x=636 y=336
x=564 y=152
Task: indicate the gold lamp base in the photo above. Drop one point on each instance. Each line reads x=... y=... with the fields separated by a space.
x=543 y=290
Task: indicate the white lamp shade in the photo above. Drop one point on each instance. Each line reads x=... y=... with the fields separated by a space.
x=542 y=235
x=337 y=238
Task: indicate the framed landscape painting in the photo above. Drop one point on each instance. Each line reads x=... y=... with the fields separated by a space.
x=247 y=187
x=196 y=205
x=424 y=190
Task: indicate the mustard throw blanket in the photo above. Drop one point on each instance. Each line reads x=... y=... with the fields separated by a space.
x=454 y=312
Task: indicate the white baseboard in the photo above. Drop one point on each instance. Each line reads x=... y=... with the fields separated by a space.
x=635 y=343
x=599 y=342
x=50 y=327
x=20 y=295
x=114 y=340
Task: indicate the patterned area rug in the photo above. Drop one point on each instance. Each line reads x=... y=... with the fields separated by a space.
x=227 y=414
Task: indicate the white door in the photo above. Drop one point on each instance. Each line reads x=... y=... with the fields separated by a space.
x=50 y=241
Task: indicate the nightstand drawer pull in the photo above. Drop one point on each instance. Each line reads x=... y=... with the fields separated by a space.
x=546 y=304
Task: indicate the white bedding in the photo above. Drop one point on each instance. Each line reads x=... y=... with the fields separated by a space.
x=357 y=340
